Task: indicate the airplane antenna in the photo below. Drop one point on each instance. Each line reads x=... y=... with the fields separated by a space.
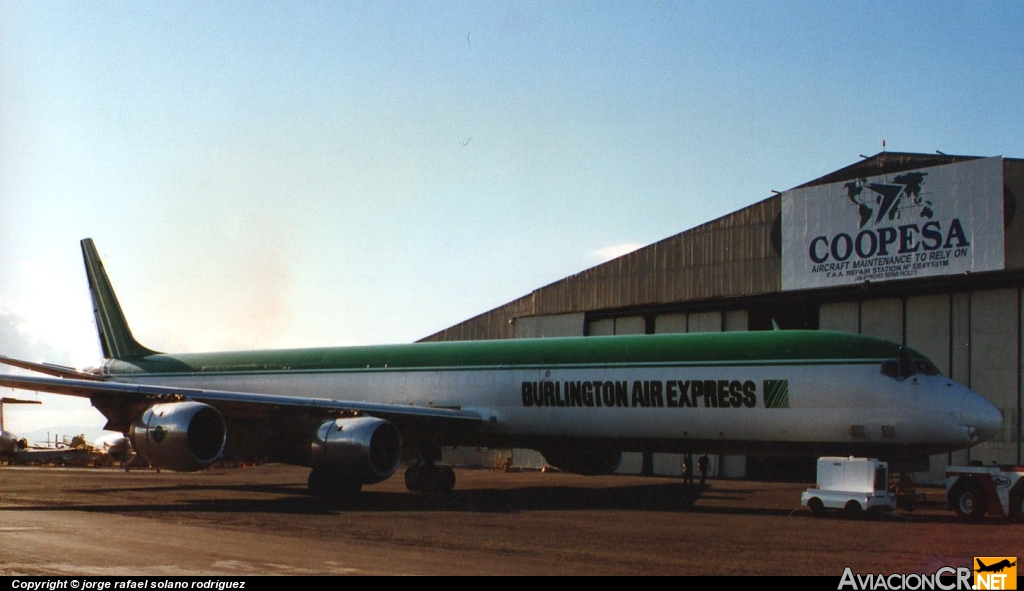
x=775 y=325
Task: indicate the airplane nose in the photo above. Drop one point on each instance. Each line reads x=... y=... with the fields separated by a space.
x=981 y=418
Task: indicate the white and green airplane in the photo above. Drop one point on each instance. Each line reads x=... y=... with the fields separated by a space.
x=353 y=414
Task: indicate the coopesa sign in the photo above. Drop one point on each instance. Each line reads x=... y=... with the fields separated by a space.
x=903 y=240
x=933 y=221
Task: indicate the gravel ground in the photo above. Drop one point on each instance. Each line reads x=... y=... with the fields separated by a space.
x=259 y=520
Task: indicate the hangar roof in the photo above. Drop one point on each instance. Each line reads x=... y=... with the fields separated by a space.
x=735 y=256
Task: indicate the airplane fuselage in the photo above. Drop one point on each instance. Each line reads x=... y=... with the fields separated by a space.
x=768 y=393
x=353 y=413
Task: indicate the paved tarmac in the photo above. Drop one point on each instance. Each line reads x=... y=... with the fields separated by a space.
x=259 y=520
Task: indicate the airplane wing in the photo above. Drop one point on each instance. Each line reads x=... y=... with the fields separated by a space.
x=50 y=369
x=237 y=404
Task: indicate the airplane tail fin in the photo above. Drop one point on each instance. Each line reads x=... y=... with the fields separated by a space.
x=6 y=400
x=115 y=337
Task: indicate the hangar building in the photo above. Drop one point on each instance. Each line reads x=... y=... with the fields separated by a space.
x=920 y=249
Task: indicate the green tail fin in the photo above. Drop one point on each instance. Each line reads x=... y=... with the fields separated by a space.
x=115 y=337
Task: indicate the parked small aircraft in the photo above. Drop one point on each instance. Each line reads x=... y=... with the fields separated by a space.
x=17 y=450
x=9 y=442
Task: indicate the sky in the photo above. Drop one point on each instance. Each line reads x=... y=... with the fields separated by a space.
x=289 y=174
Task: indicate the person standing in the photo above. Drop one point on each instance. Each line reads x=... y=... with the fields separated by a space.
x=702 y=465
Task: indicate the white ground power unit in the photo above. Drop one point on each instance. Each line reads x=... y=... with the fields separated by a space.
x=852 y=485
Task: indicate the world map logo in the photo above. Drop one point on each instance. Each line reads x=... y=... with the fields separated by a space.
x=890 y=201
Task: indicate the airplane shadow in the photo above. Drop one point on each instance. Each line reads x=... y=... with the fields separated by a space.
x=293 y=499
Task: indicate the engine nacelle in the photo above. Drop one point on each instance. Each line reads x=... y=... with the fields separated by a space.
x=588 y=462
x=9 y=444
x=366 y=448
x=179 y=436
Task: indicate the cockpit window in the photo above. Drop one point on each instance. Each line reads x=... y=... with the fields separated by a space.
x=926 y=367
x=906 y=365
x=891 y=369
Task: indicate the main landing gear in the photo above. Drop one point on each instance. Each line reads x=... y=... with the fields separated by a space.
x=424 y=476
x=427 y=477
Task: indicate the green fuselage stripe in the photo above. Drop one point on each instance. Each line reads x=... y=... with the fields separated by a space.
x=677 y=350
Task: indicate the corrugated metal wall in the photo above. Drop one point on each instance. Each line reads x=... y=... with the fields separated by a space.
x=727 y=257
x=1013 y=186
x=973 y=337
x=731 y=256
x=974 y=334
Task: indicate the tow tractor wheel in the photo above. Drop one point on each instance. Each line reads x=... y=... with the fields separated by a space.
x=816 y=506
x=853 y=509
x=1017 y=506
x=971 y=503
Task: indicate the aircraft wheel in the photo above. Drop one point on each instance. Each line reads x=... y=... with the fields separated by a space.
x=853 y=509
x=817 y=507
x=445 y=479
x=971 y=503
x=414 y=478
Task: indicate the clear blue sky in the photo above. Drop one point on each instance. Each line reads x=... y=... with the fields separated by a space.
x=281 y=174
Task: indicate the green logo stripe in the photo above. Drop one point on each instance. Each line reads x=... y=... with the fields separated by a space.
x=776 y=393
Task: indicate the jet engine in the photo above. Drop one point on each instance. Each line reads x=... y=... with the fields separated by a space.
x=366 y=449
x=179 y=436
x=588 y=462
